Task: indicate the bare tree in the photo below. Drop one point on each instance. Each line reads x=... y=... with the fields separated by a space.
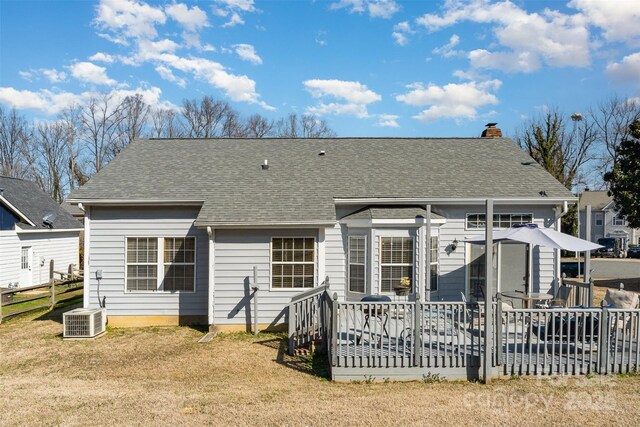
x=613 y=119
x=70 y=117
x=15 y=133
x=204 y=118
x=134 y=112
x=562 y=149
x=166 y=123
x=48 y=157
x=232 y=127
x=100 y=130
x=307 y=126
x=258 y=126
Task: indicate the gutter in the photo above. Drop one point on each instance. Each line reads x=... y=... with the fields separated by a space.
x=47 y=230
x=218 y=225
x=136 y=202
x=452 y=201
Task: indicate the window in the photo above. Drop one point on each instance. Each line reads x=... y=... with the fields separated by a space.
x=357 y=263
x=293 y=262
x=433 y=259
x=173 y=269
x=618 y=220
x=598 y=218
x=24 y=257
x=396 y=261
x=142 y=264
x=179 y=264
x=478 y=221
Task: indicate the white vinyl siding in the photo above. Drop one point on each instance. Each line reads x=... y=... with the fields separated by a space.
x=110 y=228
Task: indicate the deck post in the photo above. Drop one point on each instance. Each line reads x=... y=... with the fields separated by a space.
x=417 y=329
x=489 y=295
x=52 y=283
x=427 y=258
x=603 y=341
x=334 y=330
x=587 y=254
x=255 y=300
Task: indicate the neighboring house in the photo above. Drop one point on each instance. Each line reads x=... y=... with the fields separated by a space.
x=34 y=230
x=605 y=221
x=176 y=226
x=74 y=210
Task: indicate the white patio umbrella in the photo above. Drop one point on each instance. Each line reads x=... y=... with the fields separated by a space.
x=532 y=234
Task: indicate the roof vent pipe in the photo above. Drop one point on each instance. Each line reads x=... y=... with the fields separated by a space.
x=265 y=165
x=1 y=191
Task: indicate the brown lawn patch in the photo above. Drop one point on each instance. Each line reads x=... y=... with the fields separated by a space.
x=163 y=376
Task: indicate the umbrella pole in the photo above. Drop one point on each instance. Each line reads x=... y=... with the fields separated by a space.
x=587 y=254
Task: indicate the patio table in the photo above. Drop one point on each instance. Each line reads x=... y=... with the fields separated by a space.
x=377 y=312
x=527 y=298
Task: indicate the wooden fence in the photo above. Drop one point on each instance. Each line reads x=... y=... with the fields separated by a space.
x=580 y=293
x=48 y=292
x=307 y=322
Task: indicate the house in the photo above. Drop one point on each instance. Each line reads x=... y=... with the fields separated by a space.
x=34 y=230
x=605 y=221
x=178 y=228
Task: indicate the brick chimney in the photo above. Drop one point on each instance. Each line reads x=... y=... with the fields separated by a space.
x=492 y=131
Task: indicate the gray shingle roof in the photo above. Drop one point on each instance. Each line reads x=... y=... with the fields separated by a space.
x=597 y=199
x=33 y=203
x=300 y=185
x=391 y=212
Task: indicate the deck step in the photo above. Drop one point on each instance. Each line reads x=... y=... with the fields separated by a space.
x=309 y=348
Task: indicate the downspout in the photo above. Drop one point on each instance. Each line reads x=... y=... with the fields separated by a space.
x=211 y=289
x=560 y=212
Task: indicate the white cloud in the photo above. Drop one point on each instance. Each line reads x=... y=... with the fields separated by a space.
x=233 y=9
x=51 y=103
x=447 y=50
x=128 y=19
x=529 y=39
x=91 y=73
x=619 y=21
x=387 y=120
x=51 y=74
x=192 y=20
x=376 y=8
x=625 y=71
x=451 y=101
x=400 y=32
x=237 y=87
x=167 y=74
x=355 y=96
x=247 y=52
x=102 y=57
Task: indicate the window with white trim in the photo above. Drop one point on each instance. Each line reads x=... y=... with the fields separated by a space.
x=598 y=218
x=170 y=269
x=292 y=262
x=142 y=264
x=396 y=261
x=433 y=261
x=179 y=264
x=619 y=220
x=357 y=263
x=502 y=220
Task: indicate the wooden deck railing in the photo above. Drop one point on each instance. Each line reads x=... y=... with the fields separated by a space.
x=580 y=294
x=306 y=317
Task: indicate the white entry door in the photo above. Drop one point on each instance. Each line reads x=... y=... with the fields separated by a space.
x=26 y=262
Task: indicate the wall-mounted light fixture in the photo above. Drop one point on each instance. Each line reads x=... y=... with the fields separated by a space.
x=454 y=245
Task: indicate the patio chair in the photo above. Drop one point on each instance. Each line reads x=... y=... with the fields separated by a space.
x=623 y=300
x=378 y=313
x=560 y=300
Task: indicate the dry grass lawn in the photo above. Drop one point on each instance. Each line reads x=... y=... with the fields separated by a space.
x=163 y=376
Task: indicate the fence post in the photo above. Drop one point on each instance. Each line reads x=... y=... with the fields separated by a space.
x=417 y=330
x=590 y=292
x=52 y=283
x=603 y=341
x=334 y=330
x=1 y=301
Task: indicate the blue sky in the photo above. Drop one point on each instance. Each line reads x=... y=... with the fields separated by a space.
x=370 y=67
